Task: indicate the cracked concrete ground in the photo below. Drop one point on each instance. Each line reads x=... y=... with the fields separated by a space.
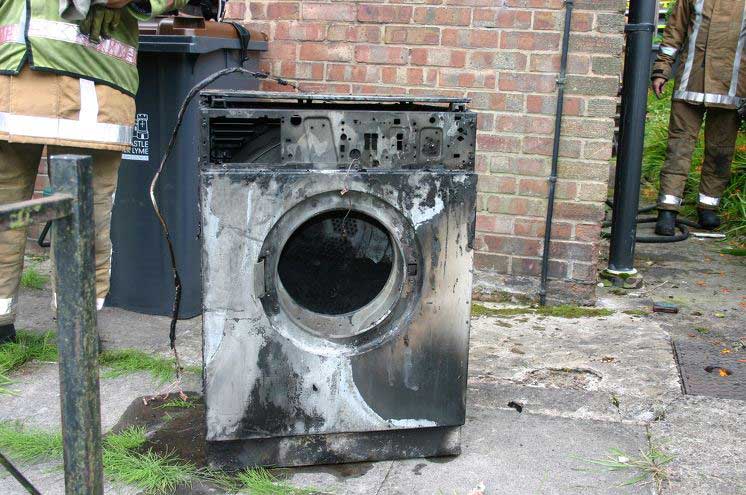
x=584 y=386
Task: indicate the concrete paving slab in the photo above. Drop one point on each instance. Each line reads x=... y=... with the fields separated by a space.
x=615 y=356
x=584 y=386
x=708 y=438
x=511 y=452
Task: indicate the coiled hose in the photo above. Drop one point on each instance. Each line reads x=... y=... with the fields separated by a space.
x=682 y=223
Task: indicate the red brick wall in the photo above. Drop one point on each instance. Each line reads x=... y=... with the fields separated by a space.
x=504 y=54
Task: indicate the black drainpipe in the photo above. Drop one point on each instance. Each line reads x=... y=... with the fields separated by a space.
x=640 y=30
x=569 y=4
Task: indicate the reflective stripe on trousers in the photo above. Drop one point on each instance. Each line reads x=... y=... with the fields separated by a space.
x=721 y=129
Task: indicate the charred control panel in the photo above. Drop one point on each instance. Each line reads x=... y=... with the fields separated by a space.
x=381 y=134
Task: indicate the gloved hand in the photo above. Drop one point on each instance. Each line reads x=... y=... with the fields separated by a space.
x=100 y=22
x=77 y=10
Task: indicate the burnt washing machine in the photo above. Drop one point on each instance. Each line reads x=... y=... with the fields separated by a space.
x=337 y=273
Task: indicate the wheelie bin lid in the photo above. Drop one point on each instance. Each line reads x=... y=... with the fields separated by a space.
x=187 y=34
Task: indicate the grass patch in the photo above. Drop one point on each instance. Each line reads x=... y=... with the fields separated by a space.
x=5 y=384
x=28 y=347
x=126 y=462
x=651 y=466
x=33 y=347
x=29 y=444
x=734 y=251
x=150 y=472
x=177 y=404
x=561 y=311
x=132 y=438
x=262 y=482
x=635 y=312
x=126 y=361
x=569 y=311
x=733 y=207
x=256 y=481
x=32 y=278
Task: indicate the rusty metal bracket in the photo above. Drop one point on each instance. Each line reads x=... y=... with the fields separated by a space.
x=71 y=210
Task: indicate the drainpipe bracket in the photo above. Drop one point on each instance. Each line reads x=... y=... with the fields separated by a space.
x=643 y=26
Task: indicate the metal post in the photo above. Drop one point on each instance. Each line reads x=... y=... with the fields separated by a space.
x=640 y=30
x=77 y=337
x=25 y=483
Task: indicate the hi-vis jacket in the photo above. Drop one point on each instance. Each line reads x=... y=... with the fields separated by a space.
x=57 y=87
x=709 y=37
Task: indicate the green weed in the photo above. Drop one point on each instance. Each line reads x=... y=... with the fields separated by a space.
x=734 y=251
x=153 y=473
x=561 y=311
x=261 y=482
x=29 y=444
x=31 y=278
x=33 y=347
x=28 y=347
x=125 y=462
x=5 y=384
x=131 y=438
x=650 y=466
x=126 y=361
x=177 y=404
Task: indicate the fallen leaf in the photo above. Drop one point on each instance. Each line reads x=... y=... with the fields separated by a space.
x=725 y=351
x=478 y=490
x=701 y=283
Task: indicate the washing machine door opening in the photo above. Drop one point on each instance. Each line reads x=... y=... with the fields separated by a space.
x=339 y=274
x=337 y=262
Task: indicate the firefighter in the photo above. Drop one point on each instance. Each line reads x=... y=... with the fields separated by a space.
x=708 y=38
x=69 y=86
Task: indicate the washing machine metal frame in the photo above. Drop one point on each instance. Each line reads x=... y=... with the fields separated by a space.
x=287 y=386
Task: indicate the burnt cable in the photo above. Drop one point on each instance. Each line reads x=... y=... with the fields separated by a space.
x=154 y=183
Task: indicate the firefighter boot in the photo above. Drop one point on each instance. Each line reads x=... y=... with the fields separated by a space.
x=7 y=333
x=666 y=224
x=708 y=219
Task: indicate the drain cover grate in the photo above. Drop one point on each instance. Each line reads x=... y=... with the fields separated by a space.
x=704 y=370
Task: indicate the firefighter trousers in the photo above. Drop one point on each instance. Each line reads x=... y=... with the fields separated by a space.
x=721 y=129
x=19 y=163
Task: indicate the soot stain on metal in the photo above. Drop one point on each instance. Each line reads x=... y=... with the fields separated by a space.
x=271 y=412
x=337 y=284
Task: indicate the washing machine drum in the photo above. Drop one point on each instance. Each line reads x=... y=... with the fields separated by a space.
x=337 y=262
x=263 y=147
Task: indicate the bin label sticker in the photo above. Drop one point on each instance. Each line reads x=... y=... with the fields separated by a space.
x=140 y=149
